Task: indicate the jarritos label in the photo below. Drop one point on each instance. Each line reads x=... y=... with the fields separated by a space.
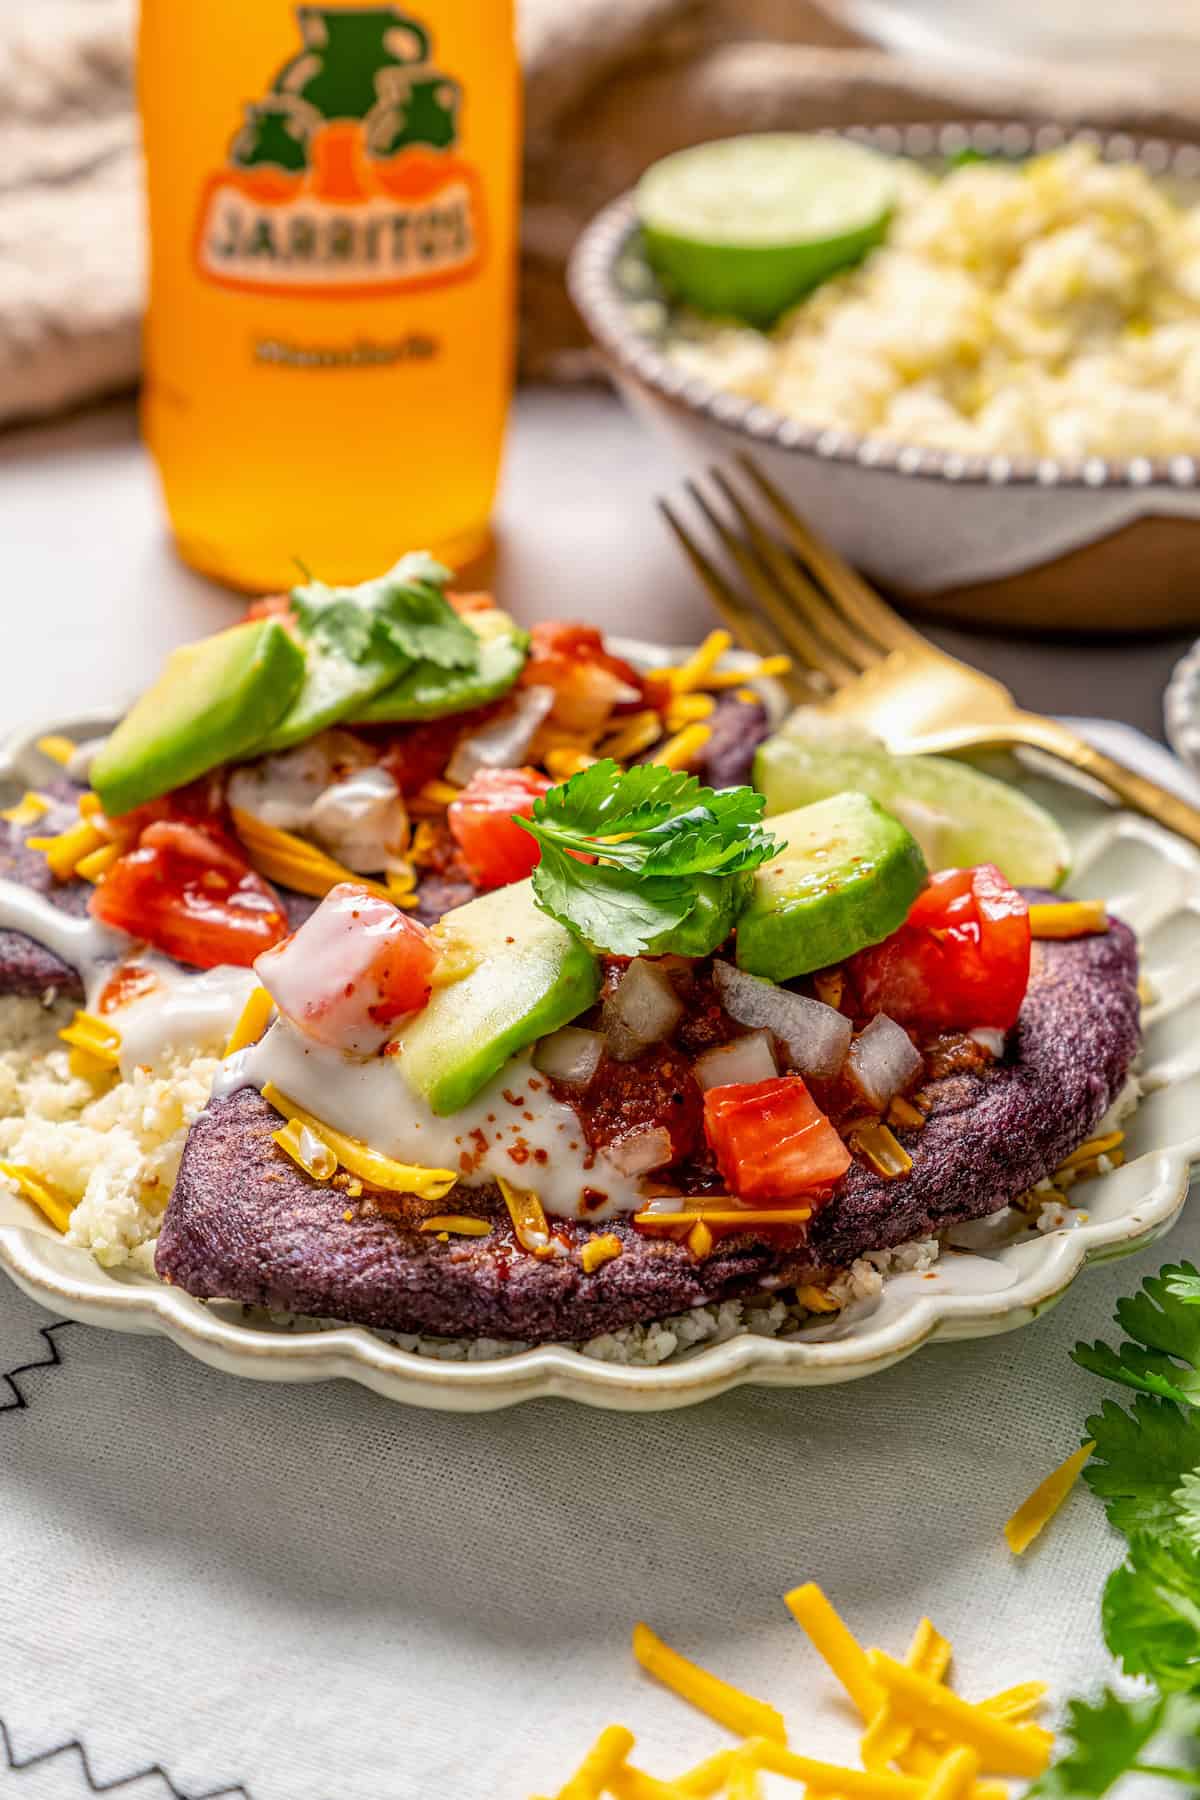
x=345 y=179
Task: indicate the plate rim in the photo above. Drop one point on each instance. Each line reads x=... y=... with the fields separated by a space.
x=124 y=1300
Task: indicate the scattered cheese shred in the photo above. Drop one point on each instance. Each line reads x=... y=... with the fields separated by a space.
x=1099 y=1146
x=599 y=1765
x=879 y=1145
x=361 y=1160
x=832 y=1638
x=1017 y=1702
x=289 y=860
x=1006 y=1749
x=252 y=1021
x=684 y=748
x=699 y=1241
x=563 y=762
x=96 y=864
x=742 y=1781
x=955 y=1775
x=433 y=798
x=96 y=1037
x=56 y=1207
x=767 y=667
x=887 y=1738
x=528 y=1218
x=65 y=851
x=701 y=665
x=462 y=1224
x=308 y=1149
x=744 y=1215
x=830 y=1778
x=59 y=749
x=817 y=1299
x=598 y=1251
x=1035 y=1514
x=632 y=735
x=29 y=807
x=1067 y=918
x=689 y=709
x=630 y=1783
x=728 y=1705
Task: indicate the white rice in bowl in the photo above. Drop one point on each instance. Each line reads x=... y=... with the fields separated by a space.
x=1049 y=308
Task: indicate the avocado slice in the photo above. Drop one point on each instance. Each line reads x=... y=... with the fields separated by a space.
x=719 y=900
x=531 y=977
x=213 y=701
x=846 y=877
x=428 y=692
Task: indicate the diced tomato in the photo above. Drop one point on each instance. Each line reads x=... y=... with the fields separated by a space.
x=960 y=960
x=355 y=966
x=189 y=892
x=202 y=800
x=589 y=683
x=415 y=754
x=771 y=1140
x=272 y=606
x=496 y=850
x=471 y=603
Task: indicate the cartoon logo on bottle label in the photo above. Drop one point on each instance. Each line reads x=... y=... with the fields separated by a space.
x=345 y=177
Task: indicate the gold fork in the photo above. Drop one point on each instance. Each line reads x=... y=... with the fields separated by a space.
x=798 y=595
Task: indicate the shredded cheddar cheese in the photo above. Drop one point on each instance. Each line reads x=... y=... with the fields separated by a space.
x=30 y=807
x=598 y=1251
x=701 y=665
x=728 y=1705
x=433 y=799
x=528 y=1218
x=744 y=1215
x=96 y=864
x=380 y=1171
x=1035 y=1514
x=954 y=1775
x=1004 y=1748
x=64 y=851
x=599 y=1765
x=689 y=709
x=562 y=762
x=307 y=1148
x=1067 y=918
x=817 y=1299
x=289 y=860
x=460 y=1224
x=706 y=1778
x=1093 y=1147
x=96 y=1037
x=252 y=1021
x=632 y=735
x=888 y=1738
x=882 y=1149
x=1017 y=1702
x=36 y=1189
x=58 y=748
x=830 y=1778
x=832 y=1638
x=680 y=751
x=699 y=1241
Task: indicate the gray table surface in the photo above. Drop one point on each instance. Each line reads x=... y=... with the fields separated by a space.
x=93 y=595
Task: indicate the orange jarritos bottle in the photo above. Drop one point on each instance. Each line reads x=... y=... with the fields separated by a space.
x=333 y=197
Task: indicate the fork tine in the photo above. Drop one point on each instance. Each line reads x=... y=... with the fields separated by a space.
x=844 y=585
x=781 y=618
x=810 y=615
x=747 y=627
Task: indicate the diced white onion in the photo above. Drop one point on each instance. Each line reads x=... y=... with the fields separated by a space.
x=283 y=789
x=882 y=1060
x=640 y=1151
x=643 y=1009
x=749 y=1058
x=503 y=742
x=815 y=1036
x=989 y=1037
x=361 y=821
x=571 y=1055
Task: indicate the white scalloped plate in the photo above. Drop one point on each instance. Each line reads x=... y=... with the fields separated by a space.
x=1150 y=877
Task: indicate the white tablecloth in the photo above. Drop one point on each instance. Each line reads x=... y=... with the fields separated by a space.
x=310 y=1594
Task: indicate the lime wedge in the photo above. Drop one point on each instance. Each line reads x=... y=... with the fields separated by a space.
x=748 y=225
x=957 y=815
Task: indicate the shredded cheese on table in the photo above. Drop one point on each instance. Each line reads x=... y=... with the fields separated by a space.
x=832 y=1638
x=1034 y=1514
x=1007 y=1749
x=726 y=1704
x=599 y=1765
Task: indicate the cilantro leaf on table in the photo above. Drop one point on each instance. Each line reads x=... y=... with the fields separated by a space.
x=651 y=833
x=1151 y=1613
x=1140 y=1460
x=403 y=611
x=1105 y=1741
x=1163 y=1320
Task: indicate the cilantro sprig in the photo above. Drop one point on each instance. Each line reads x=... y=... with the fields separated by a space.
x=402 y=615
x=662 y=848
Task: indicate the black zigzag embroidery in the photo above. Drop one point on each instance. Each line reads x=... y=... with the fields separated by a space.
x=19 y=1764
x=18 y=1403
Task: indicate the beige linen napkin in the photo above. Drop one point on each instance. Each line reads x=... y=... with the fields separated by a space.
x=610 y=84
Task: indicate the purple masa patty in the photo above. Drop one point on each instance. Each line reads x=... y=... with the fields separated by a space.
x=246 y=1224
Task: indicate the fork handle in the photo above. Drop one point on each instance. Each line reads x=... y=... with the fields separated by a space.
x=1038 y=733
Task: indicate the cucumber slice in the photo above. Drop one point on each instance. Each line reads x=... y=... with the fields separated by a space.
x=958 y=815
x=846 y=877
x=749 y=225
x=427 y=692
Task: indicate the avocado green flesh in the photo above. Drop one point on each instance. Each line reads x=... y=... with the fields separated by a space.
x=531 y=977
x=846 y=877
x=959 y=816
x=430 y=693
x=334 y=688
x=214 y=701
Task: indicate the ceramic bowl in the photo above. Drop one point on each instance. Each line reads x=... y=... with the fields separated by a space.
x=1094 y=545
